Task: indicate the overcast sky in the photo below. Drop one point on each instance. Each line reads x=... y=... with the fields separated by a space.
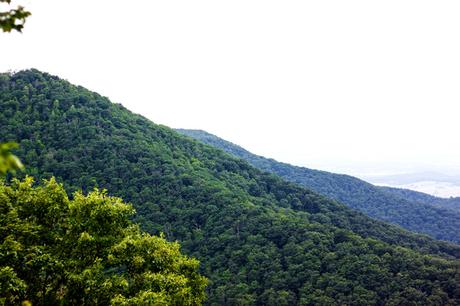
x=350 y=86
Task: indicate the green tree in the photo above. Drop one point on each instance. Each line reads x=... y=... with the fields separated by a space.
x=13 y=19
x=8 y=161
x=86 y=251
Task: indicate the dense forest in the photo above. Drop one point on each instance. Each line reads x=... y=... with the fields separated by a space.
x=425 y=215
x=260 y=240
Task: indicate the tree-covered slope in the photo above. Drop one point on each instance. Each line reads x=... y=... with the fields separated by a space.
x=452 y=203
x=260 y=240
x=417 y=216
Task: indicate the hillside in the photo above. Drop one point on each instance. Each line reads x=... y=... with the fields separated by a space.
x=377 y=202
x=260 y=240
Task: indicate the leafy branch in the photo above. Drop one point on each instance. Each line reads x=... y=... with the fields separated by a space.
x=13 y=19
x=9 y=161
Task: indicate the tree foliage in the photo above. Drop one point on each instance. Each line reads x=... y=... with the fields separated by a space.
x=14 y=18
x=85 y=251
x=260 y=240
x=8 y=161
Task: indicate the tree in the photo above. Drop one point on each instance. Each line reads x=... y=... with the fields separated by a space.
x=86 y=251
x=13 y=19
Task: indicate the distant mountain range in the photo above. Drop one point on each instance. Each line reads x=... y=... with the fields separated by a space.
x=411 y=210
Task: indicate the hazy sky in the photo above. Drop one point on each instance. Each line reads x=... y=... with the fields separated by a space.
x=339 y=85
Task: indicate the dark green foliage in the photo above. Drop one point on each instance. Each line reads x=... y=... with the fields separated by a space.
x=260 y=240
x=417 y=216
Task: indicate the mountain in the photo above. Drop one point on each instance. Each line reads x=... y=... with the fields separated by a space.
x=260 y=240
x=452 y=203
x=374 y=201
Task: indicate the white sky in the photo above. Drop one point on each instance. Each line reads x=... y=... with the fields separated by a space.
x=352 y=86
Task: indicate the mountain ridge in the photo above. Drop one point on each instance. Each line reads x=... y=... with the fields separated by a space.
x=377 y=202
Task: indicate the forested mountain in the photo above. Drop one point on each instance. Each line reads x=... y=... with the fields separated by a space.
x=452 y=203
x=396 y=207
x=260 y=240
